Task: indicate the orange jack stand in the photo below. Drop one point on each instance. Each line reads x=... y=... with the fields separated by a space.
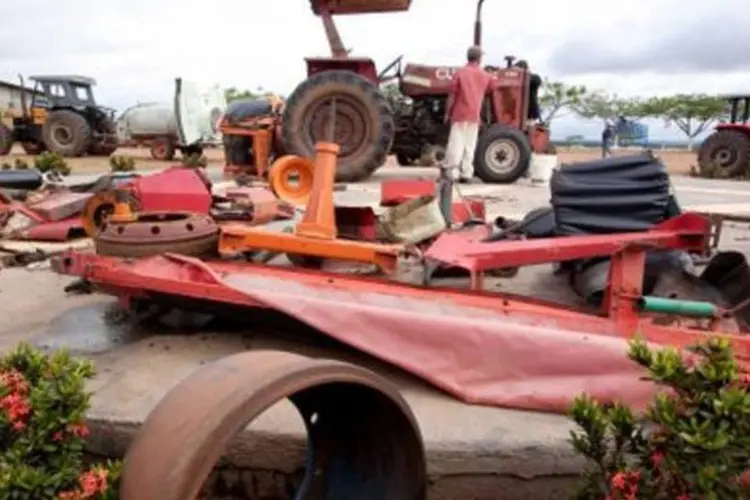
x=315 y=235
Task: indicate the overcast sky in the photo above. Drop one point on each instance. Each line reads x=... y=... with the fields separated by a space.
x=135 y=48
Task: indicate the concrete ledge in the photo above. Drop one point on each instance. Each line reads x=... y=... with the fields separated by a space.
x=473 y=452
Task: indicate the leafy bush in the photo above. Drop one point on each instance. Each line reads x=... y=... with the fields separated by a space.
x=42 y=429
x=121 y=164
x=51 y=162
x=692 y=442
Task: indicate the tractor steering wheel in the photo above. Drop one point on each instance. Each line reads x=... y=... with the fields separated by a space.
x=395 y=64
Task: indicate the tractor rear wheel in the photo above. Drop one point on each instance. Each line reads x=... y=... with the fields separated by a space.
x=6 y=140
x=728 y=150
x=363 y=129
x=67 y=133
x=502 y=156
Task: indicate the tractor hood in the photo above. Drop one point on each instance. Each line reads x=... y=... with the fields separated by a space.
x=197 y=113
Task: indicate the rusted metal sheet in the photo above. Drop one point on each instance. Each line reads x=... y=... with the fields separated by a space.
x=483 y=348
x=364 y=441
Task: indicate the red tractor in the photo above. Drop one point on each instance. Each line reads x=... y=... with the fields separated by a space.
x=728 y=148
x=369 y=126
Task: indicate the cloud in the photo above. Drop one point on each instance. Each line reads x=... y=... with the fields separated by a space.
x=670 y=38
x=135 y=48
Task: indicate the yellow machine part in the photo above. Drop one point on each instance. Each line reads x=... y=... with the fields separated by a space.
x=98 y=209
x=38 y=115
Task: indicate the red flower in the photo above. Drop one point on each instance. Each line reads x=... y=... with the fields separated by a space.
x=93 y=481
x=79 y=430
x=657 y=458
x=618 y=481
x=15 y=381
x=745 y=379
x=684 y=496
x=16 y=407
x=57 y=436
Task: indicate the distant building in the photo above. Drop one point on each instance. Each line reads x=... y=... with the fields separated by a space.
x=10 y=95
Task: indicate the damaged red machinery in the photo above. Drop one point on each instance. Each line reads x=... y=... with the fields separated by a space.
x=613 y=228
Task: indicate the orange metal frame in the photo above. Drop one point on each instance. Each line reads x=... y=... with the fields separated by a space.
x=261 y=131
x=316 y=234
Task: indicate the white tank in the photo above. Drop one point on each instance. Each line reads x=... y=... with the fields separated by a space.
x=147 y=120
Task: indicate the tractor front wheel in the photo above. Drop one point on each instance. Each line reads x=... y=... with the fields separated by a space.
x=162 y=149
x=67 y=133
x=363 y=122
x=727 y=150
x=502 y=156
x=6 y=140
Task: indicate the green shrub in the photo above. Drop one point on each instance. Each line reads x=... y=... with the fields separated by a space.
x=692 y=442
x=121 y=164
x=19 y=164
x=43 y=403
x=52 y=162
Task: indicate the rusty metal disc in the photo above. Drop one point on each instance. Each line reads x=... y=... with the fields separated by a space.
x=364 y=441
x=153 y=233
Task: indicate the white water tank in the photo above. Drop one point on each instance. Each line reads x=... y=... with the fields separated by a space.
x=147 y=120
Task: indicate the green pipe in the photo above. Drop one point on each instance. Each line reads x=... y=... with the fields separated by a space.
x=690 y=308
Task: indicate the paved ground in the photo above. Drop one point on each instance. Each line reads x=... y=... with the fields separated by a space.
x=677 y=161
x=474 y=452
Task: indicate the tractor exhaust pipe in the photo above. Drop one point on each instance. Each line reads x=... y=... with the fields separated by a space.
x=24 y=104
x=478 y=25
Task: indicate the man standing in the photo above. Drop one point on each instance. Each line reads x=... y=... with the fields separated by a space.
x=607 y=134
x=535 y=83
x=463 y=112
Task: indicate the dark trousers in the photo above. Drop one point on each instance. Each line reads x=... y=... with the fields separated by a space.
x=605 y=149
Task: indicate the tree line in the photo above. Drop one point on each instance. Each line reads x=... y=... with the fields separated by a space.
x=691 y=114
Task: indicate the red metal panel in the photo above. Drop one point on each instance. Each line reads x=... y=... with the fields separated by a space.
x=484 y=348
x=177 y=189
x=396 y=191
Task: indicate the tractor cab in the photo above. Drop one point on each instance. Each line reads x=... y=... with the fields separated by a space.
x=738 y=108
x=63 y=91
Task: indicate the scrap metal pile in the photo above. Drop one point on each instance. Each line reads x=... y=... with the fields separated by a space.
x=613 y=226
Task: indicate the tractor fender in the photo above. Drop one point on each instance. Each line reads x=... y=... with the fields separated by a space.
x=739 y=127
x=363 y=66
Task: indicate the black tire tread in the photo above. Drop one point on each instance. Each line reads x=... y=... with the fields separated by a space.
x=725 y=138
x=81 y=133
x=492 y=134
x=311 y=91
x=6 y=140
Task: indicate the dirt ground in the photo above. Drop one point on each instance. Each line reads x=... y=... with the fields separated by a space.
x=678 y=162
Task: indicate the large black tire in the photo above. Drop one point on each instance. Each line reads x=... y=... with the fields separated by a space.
x=364 y=122
x=162 y=149
x=728 y=150
x=502 y=156
x=6 y=140
x=66 y=133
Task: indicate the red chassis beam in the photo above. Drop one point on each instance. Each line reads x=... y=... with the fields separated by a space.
x=482 y=347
